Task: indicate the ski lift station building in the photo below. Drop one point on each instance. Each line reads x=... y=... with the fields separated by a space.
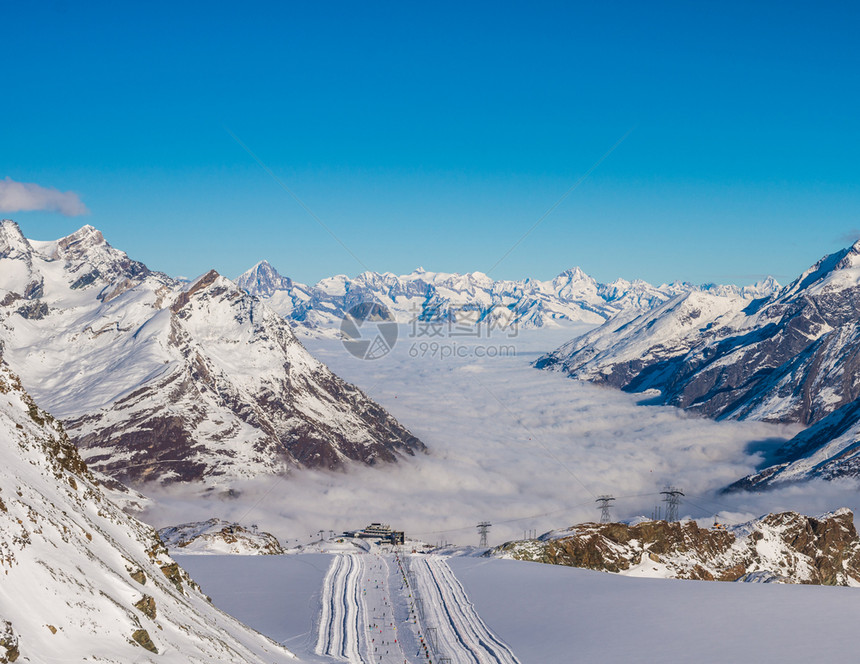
x=378 y=531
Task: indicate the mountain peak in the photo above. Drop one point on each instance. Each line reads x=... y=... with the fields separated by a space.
x=575 y=273
x=263 y=280
x=83 y=239
x=835 y=271
x=12 y=240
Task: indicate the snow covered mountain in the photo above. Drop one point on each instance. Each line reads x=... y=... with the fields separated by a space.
x=783 y=548
x=82 y=580
x=572 y=296
x=778 y=359
x=791 y=357
x=157 y=379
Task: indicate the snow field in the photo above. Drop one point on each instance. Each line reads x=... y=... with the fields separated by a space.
x=551 y=613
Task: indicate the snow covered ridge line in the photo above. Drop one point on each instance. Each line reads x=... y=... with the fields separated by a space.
x=572 y=296
x=82 y=580
x=785 y=548
x=161 y=380
x=791 y=357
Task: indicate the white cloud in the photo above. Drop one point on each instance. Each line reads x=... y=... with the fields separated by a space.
x=28 y=196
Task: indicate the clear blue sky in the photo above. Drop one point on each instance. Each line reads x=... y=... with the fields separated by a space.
x=436 y=135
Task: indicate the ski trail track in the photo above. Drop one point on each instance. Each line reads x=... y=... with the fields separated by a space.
x=357 y=620
x=341 y=617
x=390 y=609
x=460 y=634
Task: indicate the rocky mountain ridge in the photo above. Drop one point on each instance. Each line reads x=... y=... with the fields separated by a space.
x=784 y=548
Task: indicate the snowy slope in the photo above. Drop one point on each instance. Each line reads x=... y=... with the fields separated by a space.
x=163 y=380
x=551 y=613
x=83 y=581
x=572 y=296
x=791 y=357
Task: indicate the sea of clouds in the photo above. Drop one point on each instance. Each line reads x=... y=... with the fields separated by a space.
x=527 y=450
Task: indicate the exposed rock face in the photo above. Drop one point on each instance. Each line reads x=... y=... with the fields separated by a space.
x=791 y=357
x=219 y=537
x=572 y=296
x=160 y=380
x=141 y=638
x=8 y=643
x=73 y=564
x=146 y=605
x=786 y=547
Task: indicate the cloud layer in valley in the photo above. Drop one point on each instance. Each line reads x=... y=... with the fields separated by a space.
x=522 y=448
x=28 y=197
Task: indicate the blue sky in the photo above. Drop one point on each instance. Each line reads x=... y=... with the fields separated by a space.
x=438 y=134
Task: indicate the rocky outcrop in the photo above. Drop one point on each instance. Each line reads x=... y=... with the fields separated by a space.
x=785 y=547
x=8 y=643
x=146 y=605
x=141 y=638
x=219 y=537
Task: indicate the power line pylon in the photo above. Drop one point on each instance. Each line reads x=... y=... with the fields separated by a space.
x=483 y=529
x=672 y=500
x=603 y=502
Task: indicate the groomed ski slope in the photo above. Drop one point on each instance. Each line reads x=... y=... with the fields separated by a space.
x=366 y=618
x=342 y=616
x=461 y=634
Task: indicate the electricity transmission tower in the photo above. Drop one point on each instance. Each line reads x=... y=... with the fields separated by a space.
x=483 y=529
x=672 y=500
x=603 y=504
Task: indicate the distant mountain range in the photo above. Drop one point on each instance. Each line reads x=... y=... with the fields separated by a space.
x=162 y=380
x=791 y=357
x=572 y=296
